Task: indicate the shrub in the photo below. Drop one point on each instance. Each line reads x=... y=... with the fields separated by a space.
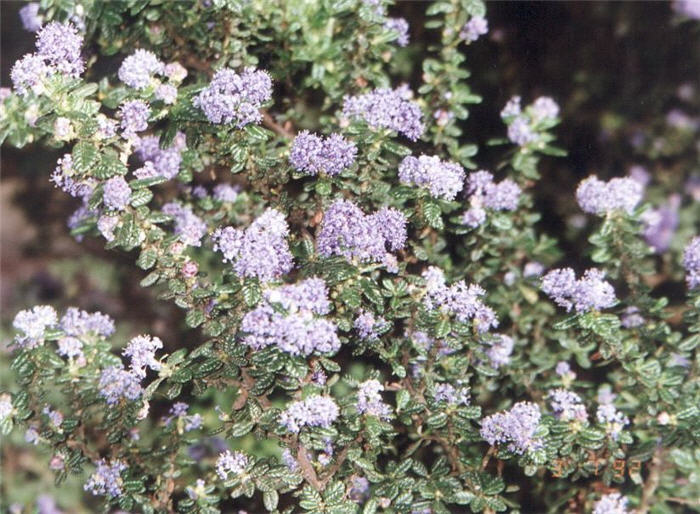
x=388 y=318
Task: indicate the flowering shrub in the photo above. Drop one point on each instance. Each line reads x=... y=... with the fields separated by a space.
x=386 y=326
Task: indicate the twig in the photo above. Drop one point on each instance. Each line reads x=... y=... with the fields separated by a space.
x=652 y=482
x=274 y=126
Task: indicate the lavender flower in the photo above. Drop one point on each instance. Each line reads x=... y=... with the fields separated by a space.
x=400 y=26
x=612 y=503
x=485 y=193
x=179 y=412
x=367 y=325
x=106 y=128
x=512 y=108
x=64 y=177
x=515 y=427
x=296 y=330
x=188 y=226
x=137 y=70
x=167 y=93
x=70 y=347
x=691 y=262
x=314 y=411
x=460 y=301
x=499 y=351
x=567 y=406
x=449 y=394
x=475 y=27
x=106 y=226
x=106 y=480
x=387 y=108
x=590 y=292
x=28 y=73
x=29 y=15
x=313 y=154
x=348 y=232
x=613 y=419
x=259 y=251
x=520 y=131
x=33 y=324
x=59 y=45
x=141 y=350
x=289 y=460
x=235 y=98
x=230 y=463
x=359 y=490
x=116 y=193
x=160 y=161
x=598 y=197
x=369 y=401
x=134 y=116
x=563 y=369
x=688 y=8
x=544 y=109
x=225 y=193
x=631 y=318
x=533 y=269
x=175 y=71
x=443 y=179
x=5 y=406
x=116 y=383
x=76 y=322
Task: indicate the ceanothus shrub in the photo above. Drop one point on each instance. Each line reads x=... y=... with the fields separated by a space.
x=386 y=315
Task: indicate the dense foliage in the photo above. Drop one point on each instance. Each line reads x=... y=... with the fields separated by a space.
x=386 y=326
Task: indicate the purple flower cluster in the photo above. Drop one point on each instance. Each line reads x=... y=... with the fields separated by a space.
x=691 y=262
x=499 y=350
x=631 y=318
x=349 y=232
x=5 y=406
x=613 y=419
x=314 y=411
x=188 y=226
x=442 y=178
x=59 y=45
x=159 y=161
x=369 y=401
x=387 y=108
x=116 y=383
x=314 y=154
x=590 y=292
x=475 y=27
x=563 y=369
x=524 y=126
x=567 y=406
x=660 y=224
x=259 y=251
x=288 y=318
x=516 y=427
x=599 y=197
x=167 y=93
x=449 y=394
x=77 y=323
x=230 y=463
x=611 y=503
x=142 y=350
x=225 y=193
x=64 y=178
x=134 y=116
x=137 y=70
x=71 y=348
x=401 y=27
x=29 y=15
x=235 y=98
x=116 y=193
x=106 y=480
x=28 y=73
x=458 y=300
x=368 y=326
x=179 y=412
x=33 y=324
x=487 y=194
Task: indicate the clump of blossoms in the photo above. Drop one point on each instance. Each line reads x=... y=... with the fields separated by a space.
x=336 y=349
x=443 y=179
x=599 y=197
x=235 y=98
x=290 y=318
x=261 y=250
x=590 y=292
x=487 y=194
x=312 y=154
x=392 y=109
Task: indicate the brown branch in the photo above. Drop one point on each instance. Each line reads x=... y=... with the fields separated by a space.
x=307 y=469
x=652 y=481
x=270 y=123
